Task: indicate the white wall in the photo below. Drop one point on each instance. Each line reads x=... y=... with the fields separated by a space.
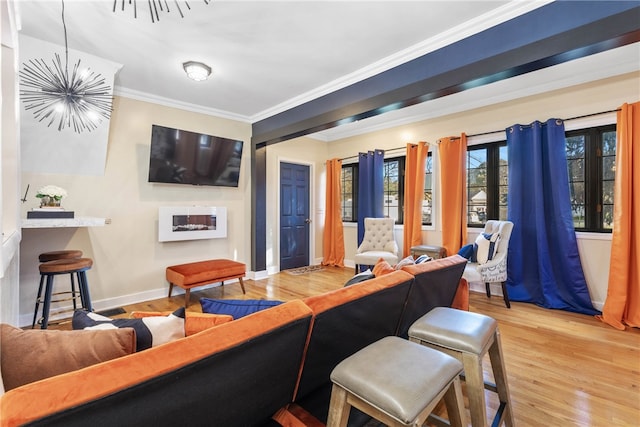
x=575 y=101
x=9 y=170
x=303 y=151
x=129 y=262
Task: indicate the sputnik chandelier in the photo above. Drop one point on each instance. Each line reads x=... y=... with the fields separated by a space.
x=79 y=100
x=155 y=7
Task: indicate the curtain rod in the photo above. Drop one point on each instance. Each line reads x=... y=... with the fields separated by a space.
x=386 y=151
x=564 y=120
x=496 y=131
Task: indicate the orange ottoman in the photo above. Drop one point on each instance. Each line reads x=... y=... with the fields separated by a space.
x=201 y=273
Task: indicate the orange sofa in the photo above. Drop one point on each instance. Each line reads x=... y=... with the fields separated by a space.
x=269 y=368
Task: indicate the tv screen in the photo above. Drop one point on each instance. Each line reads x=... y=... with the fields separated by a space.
x=183 y=157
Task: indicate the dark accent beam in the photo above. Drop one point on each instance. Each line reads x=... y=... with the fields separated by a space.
x=552 y=34
x=259 y=208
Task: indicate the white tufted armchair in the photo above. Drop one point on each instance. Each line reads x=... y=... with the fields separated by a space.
x=378 y=242
x=494 y=270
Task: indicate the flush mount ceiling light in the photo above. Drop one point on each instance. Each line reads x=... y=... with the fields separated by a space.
x=155 y=7
x=197 y=70
x=80 y=100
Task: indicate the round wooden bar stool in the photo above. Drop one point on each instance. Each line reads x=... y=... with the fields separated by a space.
x=468 y=337
x=398 y=383
x=49 y=270
x=52 y=256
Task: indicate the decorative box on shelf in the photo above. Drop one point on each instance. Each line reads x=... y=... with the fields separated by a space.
x=46 y=213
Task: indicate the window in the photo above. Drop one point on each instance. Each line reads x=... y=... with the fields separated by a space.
x=427 y=202
x=349 y=183
x=487 y=183
x=591 y=158
x=393 y=189
x=393 y=202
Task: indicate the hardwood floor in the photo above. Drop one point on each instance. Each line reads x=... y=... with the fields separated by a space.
x=564 y=369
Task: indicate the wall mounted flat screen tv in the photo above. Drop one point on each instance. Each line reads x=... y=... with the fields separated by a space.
x=184 y=157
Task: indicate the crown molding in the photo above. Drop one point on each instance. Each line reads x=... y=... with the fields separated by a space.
x=167 y=102
x=456 y=33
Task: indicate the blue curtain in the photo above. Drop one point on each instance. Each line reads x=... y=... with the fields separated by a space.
x=544 y=265
x=370 y=188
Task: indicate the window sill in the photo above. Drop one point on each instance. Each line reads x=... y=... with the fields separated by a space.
x=586 y=235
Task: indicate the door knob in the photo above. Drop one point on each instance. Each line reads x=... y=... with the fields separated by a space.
x=308 y=221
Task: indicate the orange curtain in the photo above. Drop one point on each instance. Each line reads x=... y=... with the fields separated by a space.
x=453 y=157
x=333 y=236
x=414 y=194
x=622 y=306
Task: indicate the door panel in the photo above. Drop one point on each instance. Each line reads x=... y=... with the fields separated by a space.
x=294 y=216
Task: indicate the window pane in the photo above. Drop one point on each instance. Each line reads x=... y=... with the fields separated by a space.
x=503 y=183
x=607 y=192
x=608 y=168
x=476 y=186
x=575 y=149
x=608 y=177
x=609 y=143
x=576 y=169
x=578 y=204
x=347 y=187
x=575 y=146
x=427 y=201
x=607 y=217
x=391 y=188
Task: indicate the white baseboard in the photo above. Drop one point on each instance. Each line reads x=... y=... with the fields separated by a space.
x=496 y=290
x=65 y=312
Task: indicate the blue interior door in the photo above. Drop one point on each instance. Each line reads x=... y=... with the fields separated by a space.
x=294 y=216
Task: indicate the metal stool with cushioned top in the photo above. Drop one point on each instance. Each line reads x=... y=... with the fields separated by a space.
x=468 y=337
x=50 y=269
x=398 y=383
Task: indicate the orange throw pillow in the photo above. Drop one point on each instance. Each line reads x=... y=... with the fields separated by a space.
x=382 y=267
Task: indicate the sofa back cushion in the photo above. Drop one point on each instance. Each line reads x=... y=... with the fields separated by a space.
x=435 y=285
x=237 y=373
x=345 y=321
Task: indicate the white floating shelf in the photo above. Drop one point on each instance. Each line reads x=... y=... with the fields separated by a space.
x=64 y=222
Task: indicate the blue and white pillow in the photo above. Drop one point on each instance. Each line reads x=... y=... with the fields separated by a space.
x=422 y=258
x=150 y=331
x=360 y=277
x=486 y=246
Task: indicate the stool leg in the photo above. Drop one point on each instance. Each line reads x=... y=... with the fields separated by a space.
x=242 y=284
x=475 y=389
x=338 y=408
x=47 y=302
x=500 y=377
x=35 y=312
x=170 y=289
x=506 y=295
x=454 y=401
x=85 y=296
x=187 y=294
x=73 y=291
x=488 y=287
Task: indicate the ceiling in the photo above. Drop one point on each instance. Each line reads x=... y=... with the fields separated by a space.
x=269 y=56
